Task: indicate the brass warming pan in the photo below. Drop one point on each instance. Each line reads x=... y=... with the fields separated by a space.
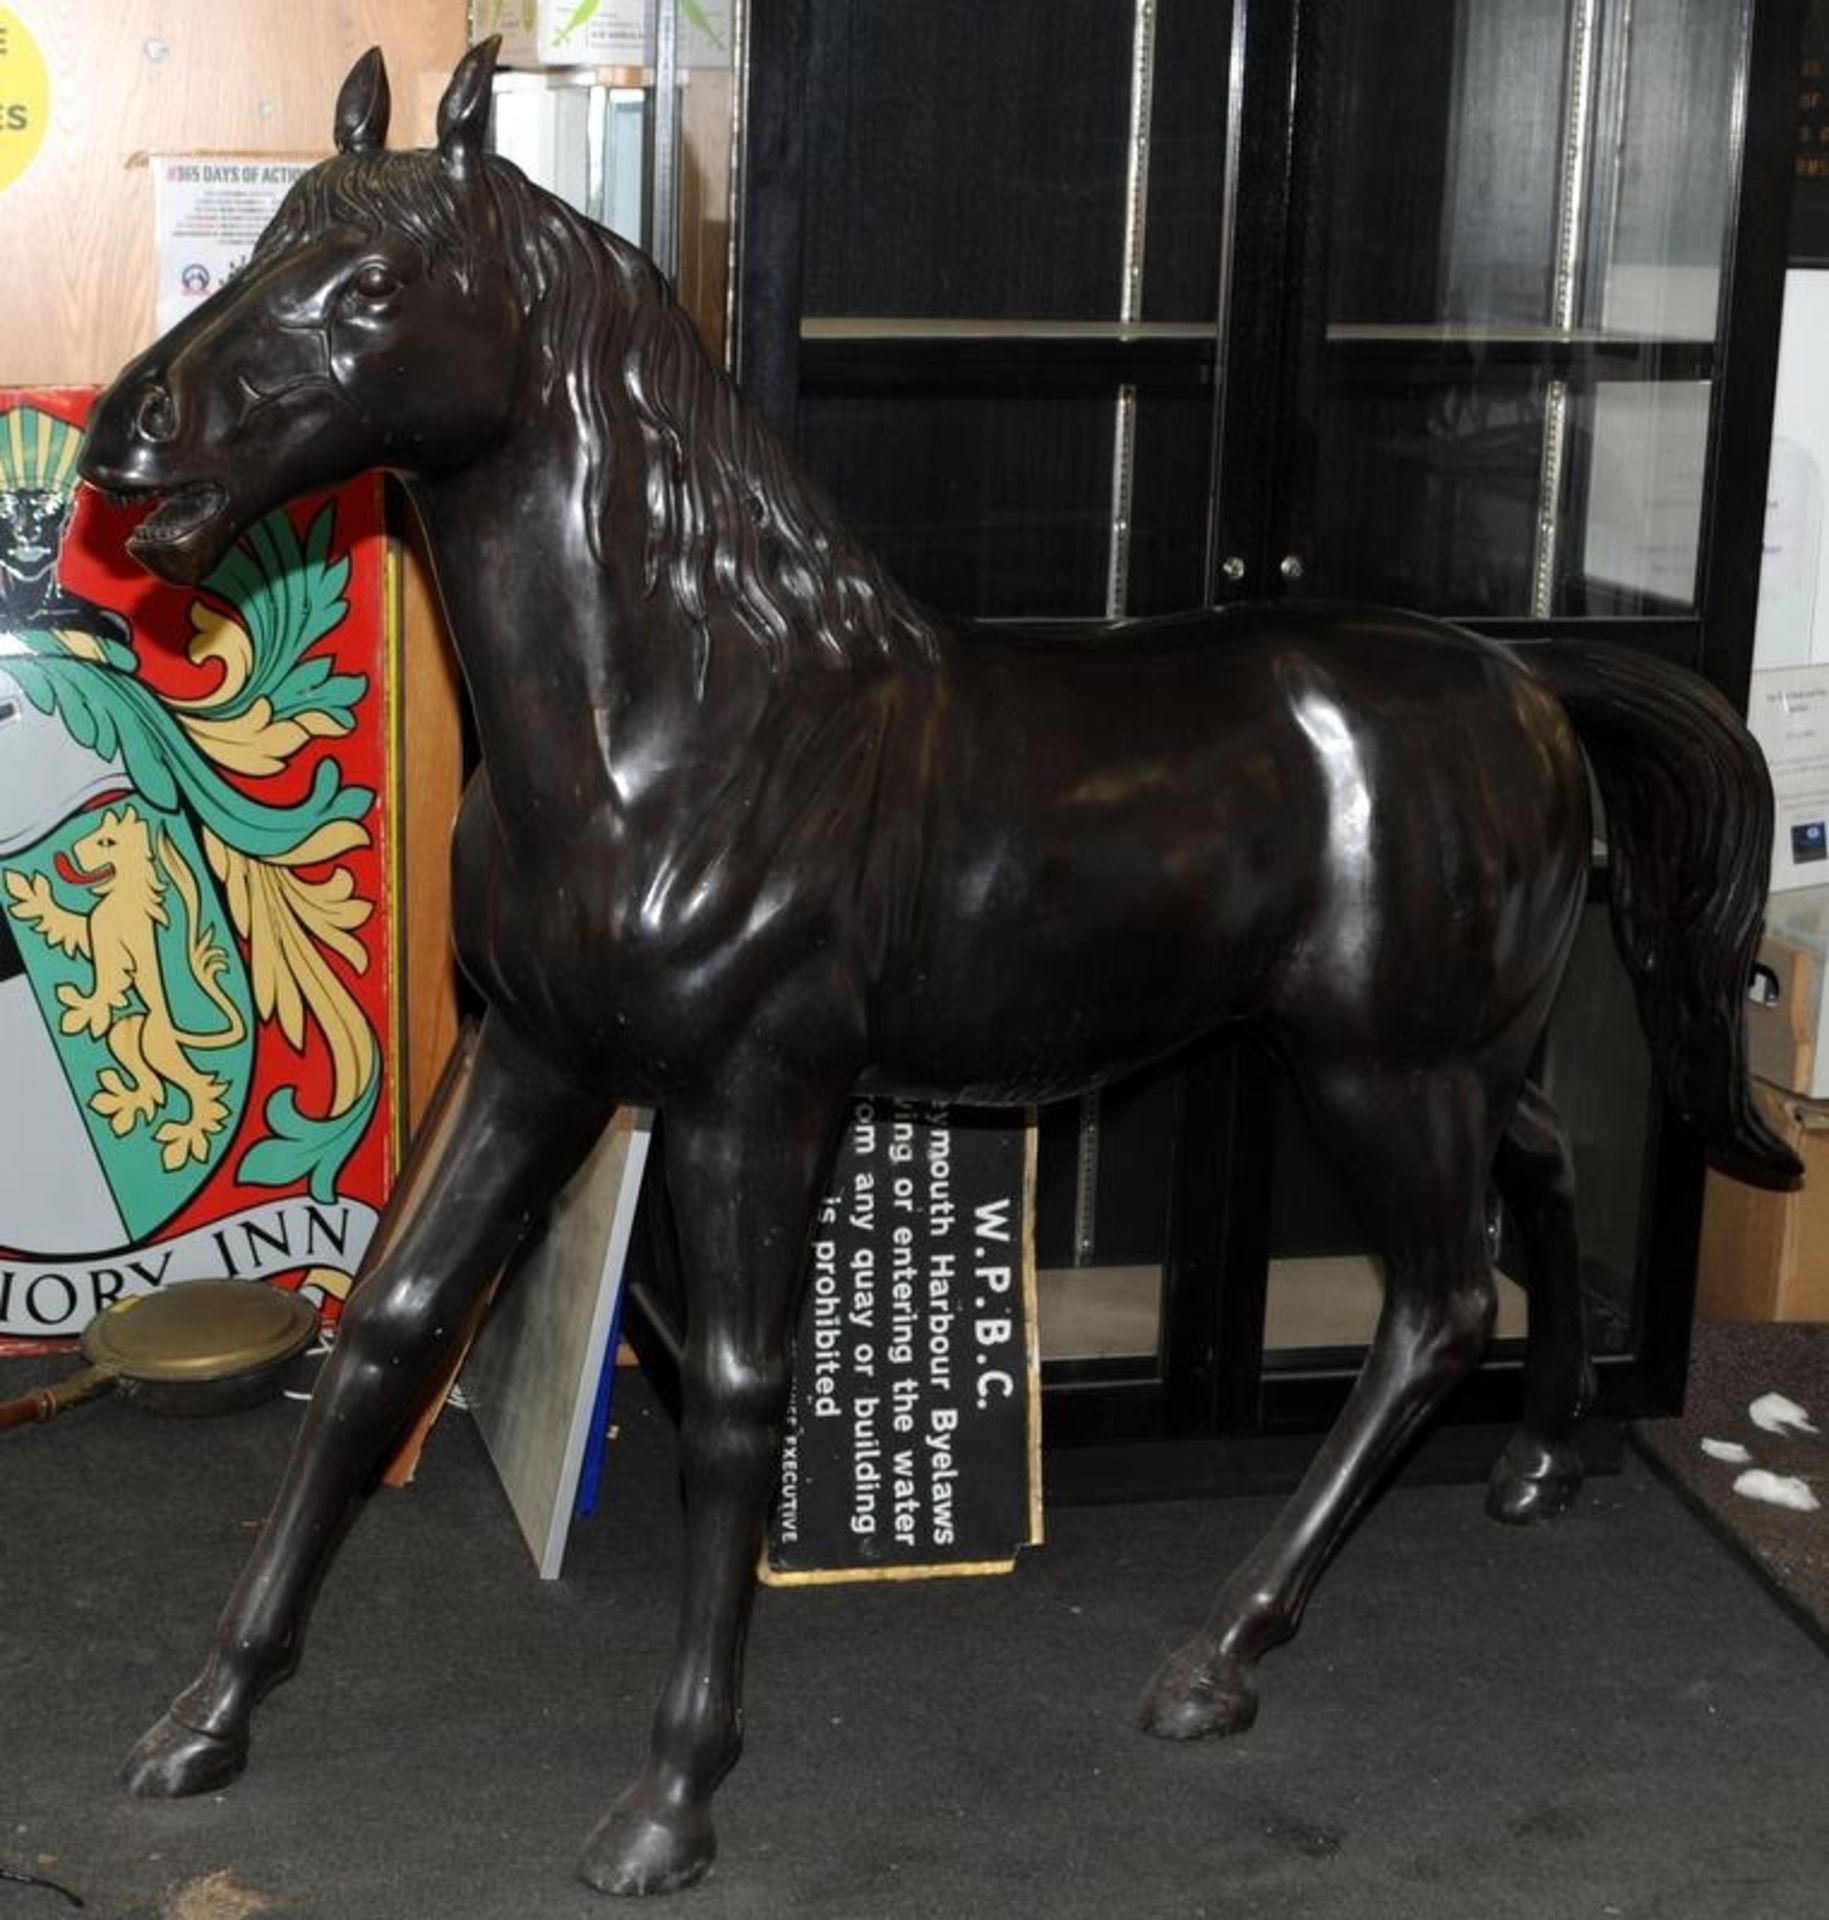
x=197 y=1347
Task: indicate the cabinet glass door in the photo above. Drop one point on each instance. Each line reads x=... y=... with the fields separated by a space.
x=1528 y=210
x=1085 y=308
x=1010 y=261
x=1009 y=295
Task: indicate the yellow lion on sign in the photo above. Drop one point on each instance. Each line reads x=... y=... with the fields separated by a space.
x=126 y=1003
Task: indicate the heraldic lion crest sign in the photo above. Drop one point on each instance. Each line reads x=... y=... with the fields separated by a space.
x=190 y=1001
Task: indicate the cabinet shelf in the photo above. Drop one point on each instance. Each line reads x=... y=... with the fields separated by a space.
x=871 y=354
x=1580 y=355
x=874 y=353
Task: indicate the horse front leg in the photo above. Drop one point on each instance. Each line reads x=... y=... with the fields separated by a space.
x=745 y=1180
x=504 y=1136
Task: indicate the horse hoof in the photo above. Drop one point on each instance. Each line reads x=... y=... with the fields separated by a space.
x=173 y=1760
x=1533 y=1482
x=637 y=1851
x=1192 y=1698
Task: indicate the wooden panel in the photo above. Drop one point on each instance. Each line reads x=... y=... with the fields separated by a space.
x=432 y=779
x=144 y=76
x=705 y=127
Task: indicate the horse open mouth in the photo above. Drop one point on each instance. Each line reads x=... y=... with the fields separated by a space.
x=180 y=538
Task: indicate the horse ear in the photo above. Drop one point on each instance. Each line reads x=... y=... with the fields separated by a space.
x=362 y=106
x=463 y=114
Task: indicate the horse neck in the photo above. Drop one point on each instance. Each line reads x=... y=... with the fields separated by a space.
x=571 y=663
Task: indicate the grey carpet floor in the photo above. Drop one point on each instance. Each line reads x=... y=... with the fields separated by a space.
x=1606 y=1718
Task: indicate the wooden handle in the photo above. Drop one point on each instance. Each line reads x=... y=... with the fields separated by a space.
x=43 y=1403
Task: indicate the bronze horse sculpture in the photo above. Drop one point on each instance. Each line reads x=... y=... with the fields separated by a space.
x=752 y=830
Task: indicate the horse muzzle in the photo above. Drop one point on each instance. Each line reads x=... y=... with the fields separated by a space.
x=185 y=535
x=188 y=530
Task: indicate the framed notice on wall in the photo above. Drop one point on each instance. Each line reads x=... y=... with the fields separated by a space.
x=197 y=978
x=208 y=211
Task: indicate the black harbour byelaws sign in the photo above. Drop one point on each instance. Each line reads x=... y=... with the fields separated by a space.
x=914 y=1434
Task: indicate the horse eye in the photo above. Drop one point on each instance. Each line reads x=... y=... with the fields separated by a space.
x=376 y=282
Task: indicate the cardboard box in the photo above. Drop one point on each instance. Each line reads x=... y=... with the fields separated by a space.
x=568 y=33
x=1765 y=1256
x=1785 y=1018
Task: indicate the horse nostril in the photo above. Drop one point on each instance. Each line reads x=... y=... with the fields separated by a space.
x=157 y=415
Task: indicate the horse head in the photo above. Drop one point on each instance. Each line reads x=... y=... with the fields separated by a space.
x=376 y=324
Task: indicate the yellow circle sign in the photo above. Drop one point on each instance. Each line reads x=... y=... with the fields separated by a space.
x=25 y=97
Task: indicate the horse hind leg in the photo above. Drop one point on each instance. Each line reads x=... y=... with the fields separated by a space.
x=505 y=1135
x=1540 y=1471
x=1416 y=1151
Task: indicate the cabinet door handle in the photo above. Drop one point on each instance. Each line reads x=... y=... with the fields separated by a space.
x=1290 y=566
x=1233 y=568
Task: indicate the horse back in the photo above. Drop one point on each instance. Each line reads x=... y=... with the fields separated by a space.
x=1315 y=816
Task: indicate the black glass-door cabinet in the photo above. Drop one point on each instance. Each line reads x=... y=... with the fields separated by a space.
x=1083 y=308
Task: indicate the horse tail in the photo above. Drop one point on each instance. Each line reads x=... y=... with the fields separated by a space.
x=1688 y=807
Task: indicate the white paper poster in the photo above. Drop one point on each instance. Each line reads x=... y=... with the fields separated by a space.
x=533 y=1374
x=1646 y=486
x=1794 y=570
x=1788 y=711
x=208 y=210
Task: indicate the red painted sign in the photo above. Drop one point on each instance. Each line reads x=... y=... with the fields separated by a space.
x=197 y=980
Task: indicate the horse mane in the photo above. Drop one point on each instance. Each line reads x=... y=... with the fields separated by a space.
x=732 y=519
